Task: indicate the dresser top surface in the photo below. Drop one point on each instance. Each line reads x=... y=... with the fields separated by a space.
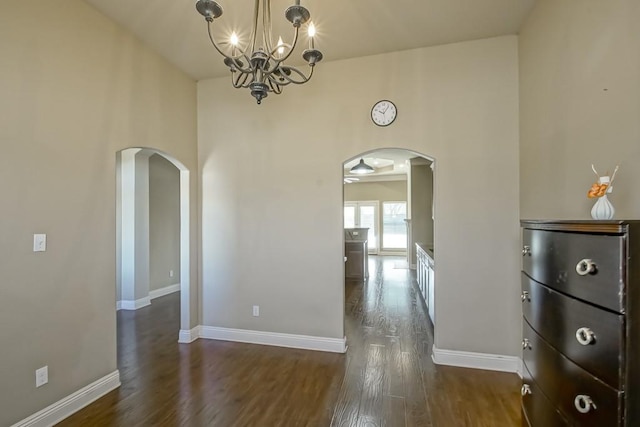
x=584 y=225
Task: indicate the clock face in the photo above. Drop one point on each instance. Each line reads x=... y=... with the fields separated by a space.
x=383 y=113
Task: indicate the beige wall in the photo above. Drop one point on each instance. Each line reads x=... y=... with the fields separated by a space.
x=75 y=89
x=272 y=190
x=164 y=223
x=388 y=191
x=579 y=104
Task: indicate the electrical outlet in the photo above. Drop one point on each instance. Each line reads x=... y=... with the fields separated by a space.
x=256 y=310
x=170 y=273
x=42 y=376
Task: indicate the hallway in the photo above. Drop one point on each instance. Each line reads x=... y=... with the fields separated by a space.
x=386 y=378
x=390 y=367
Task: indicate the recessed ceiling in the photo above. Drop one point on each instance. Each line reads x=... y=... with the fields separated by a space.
x=389 y=164
x=346 y=29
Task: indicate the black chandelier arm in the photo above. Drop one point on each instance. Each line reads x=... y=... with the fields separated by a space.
x=267 y=35
x=241 y=80
x=286 y=73
x=274 y=87
x=273 y=79
x=290 y=47
x=213 y=42
x=238 y=65
x=233 y=59
x=276 y=79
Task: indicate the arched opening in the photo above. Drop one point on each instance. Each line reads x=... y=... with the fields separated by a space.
x=388 y=219
x=136 y=283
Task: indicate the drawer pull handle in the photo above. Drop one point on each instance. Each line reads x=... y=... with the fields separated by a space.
x=586 y=266
x=526 y=389
x=583 y=403
x=585 y=336
x=525 y=296
x=526 y=250
x=526 y=344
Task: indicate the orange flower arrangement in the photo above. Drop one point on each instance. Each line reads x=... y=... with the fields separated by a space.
x=597 y=190
x=600 y=187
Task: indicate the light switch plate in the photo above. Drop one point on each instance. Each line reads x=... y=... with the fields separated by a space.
x=39 y=242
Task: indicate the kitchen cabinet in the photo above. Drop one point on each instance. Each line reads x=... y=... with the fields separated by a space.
x=356 y=251
x=425 y=275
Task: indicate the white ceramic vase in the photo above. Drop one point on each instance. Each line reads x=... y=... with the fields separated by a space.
x=603 y=209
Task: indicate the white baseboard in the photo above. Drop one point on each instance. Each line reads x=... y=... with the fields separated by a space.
x=133 y=305
x=306 y=342
x=63 y=408
x=157 y=293
x=467 y=359
x=187 y=336
x=143 y=302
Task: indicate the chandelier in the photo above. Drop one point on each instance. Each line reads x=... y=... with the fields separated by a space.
x=259 y=66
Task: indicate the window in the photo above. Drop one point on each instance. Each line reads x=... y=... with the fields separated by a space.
x=394 y=229
x=350 y=216
x=363 y=215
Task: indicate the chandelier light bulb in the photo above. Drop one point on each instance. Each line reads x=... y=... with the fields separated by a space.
x=311 y=31
x=280 y=46
x=234 y=39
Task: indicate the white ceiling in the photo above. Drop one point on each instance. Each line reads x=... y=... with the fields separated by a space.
x=346 y=28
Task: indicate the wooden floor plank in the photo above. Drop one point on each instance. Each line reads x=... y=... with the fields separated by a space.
x=372 y=396
x=394 y=412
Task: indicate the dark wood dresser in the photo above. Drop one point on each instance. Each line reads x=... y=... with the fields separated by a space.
x=581 y=323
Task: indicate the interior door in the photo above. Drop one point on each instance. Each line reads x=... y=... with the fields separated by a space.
x=363 y=215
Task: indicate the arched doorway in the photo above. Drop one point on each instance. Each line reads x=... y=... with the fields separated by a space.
x=388 y=198
x=132 y=233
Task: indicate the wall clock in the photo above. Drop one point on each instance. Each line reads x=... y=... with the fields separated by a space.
x=384 y=113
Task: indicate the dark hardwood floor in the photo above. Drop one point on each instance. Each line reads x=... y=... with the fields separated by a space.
x=386 y=378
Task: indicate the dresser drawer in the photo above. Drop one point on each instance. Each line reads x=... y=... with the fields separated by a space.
x=587 y=266
x=537 y=410
x=567 y=324
x=571 y=387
